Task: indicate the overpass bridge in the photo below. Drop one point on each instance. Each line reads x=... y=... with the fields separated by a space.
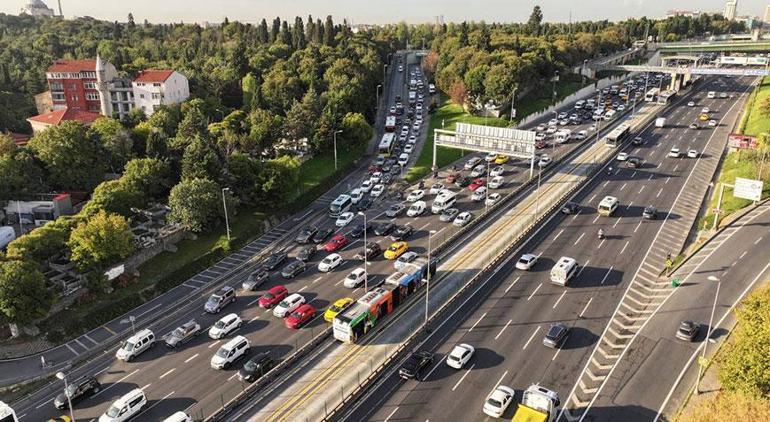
x=758 y=46
x=682 y=75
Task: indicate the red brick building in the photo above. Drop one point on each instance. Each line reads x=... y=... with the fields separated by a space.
x=73 y=85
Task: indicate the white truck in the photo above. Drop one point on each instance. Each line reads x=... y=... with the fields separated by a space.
x=538 y=404
x=660 y=122
x=7 y=234
x=7 y=414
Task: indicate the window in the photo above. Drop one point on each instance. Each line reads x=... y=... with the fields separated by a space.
x=74 y=98
x=141 y=96
x=156 y=96
x=92 y=96
x=90 y=85
x=57 y=86
x=58 y=96
x=73 y=87
x=156 y=84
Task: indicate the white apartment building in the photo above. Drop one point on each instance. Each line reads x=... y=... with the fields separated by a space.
x=159 y=87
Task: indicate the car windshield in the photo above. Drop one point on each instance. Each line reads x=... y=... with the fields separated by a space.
x=283 y=304
x=296 y=315
x=250 y=365
x=554 y=332
x=128 y=346
x=268 y=296
x=178 y=332
x=213 y=300
x=219 y=324
x=222 y=352
x=114 y=411
x=494 y=402
x=393 y=248
x=70 y=390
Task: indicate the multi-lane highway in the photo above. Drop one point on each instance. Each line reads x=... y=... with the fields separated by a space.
x=507 y=324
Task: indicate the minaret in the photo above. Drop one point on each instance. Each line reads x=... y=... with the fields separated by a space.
x=101 y=86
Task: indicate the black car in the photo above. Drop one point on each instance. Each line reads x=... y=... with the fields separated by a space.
x=395 y=169
x=364 y=203
x=638 y=141
x=384 y=229
x=395 y=210
x=274 y=260
x=463 y=181
x=306 y=234
x=555 y=335
x=372 y=251
x=650 y=213
x=387 y=166
x=322 y=234
x=294 y=269
x=77 y=391
x=306 y=254
x=255 y=279
x=688 y=330
x=386 y=178
x=359 y=230
x=634 y=162
x=256 y=367
x=402 y=233
x=570 y=208
x=415 y=364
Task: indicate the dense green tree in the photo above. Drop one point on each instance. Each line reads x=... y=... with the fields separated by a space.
x=102 y=240
x=535 y=21
x=265 y=127
x=355 y=129
x=328 y=34
x=278 y=180
x=196 y=204
x=21 y=175
x=151 y=176
x=250 y=88
x=200 y=161
x=116 y=197
x=42 y=242
x=475 y=79
x=242 y=172
x=23 y=293
x=115 y=139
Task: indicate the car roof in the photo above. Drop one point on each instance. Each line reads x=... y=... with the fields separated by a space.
x=278 y=288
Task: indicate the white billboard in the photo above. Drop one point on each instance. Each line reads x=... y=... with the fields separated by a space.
x=501 y=140
x=748 y=189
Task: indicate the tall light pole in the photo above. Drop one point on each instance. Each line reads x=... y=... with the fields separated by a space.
x=486 y=188
x=513 y=100
x=224 y=205
x=555 y=78
x=334 y=135
x=537 y=204
x=377 y=102
x=708 y=334
x=384 y=69
x=553 y=137
x=63 y=377
x=366 y=262
x=427 y=286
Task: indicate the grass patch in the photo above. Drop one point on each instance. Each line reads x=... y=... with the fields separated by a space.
x=757 y=123
x=540 y=99
x=319 y=168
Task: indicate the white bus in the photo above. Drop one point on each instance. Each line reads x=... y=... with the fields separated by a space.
x=651 y=95
x=445 y=200
x=340 y=205
x=390 y=123
x=664 y=96
x=7 y=414
x=617 y=135
x=412 y=97
x=386 y=144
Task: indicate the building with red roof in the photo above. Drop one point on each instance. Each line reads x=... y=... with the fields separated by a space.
x=42 y=122
x=159 y=87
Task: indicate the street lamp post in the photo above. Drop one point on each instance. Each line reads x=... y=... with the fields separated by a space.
x=486 y=188
x=377 y=102
x=224 y=205
x=427 y=285
x=556 y=78
x=708 y=333
x=537 y=204
x=513 y=100
x=63 y=377
x=334 y=135
x=366 y=263
x=553 y=136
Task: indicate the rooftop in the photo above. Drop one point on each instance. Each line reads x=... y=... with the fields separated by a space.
x=153 y=76
x=73 y=66
x=54 y=118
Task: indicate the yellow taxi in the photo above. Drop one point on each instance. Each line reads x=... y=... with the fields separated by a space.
x=62 y=418
x=703 y=117
x=336 y=308
x=501 y=159
x=396 y=249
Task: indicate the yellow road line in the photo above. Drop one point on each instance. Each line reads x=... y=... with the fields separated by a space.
x=112 y=332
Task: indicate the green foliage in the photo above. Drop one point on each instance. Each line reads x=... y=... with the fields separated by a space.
x=355 y=129
x=727 y=406
x=278 y=180
x=151 y=176
x=744 y=366
x=21 y=175
x=196 y=204
x=101 y=241
x=73 y=159
x=14 y=109
x=242 y=172
x=115 y=139
x=200 y=161
x=23 y=293
x=114 y=196
x=42 y=242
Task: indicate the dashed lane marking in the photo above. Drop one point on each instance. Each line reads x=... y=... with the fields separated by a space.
x=531 y=337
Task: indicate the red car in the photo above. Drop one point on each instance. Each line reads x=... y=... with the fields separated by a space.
x=477 y=183
x=300 y=316
x=338 y=242
x=273 y=296
x=540 y=144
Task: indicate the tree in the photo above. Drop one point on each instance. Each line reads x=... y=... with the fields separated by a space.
x=475 y=79
x=114 y=196
x=7 y=146
x=193 y=125
x=298 y=34
x=21 y=175
x=200 y=161
x=535 y=21
x=458 y=93
x=265 y=127
x=115 y=139
x=329 y=31
x=74 y=160
x=101 y=241
x=355 y=129
x=484 y=41
x=43 y=242
x=195 y=204
x=23 y=293
x=250 y=88
x=764 y=108
x=278 y=180
x=151 y=176
x=463 y=40
x=728 y=406
x=242 y=174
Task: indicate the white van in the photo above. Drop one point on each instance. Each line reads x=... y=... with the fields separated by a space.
x=563 y=136
x=7 y=234
x=230 y=352
x=403 y=159
x=178 y=417
x=125 y=407
x=609 y=115
x=416 y=209
x=564 y=270
x=445 y=200
x=135 y=345
x=608 y=205
x=711 y=94
x=579 y=104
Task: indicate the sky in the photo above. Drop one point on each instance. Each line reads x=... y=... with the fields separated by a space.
x=379 y=11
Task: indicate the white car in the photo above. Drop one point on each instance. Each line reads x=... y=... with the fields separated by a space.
x=541 y=127
x=497 y=171
x=562 y=115
x=674 y=153
x=436 y=188
x=403 y=159
x=498 y=400
x=415 y=195
x=366 y=186
x=377 y=190
x=691 y=104
x=412 y=140
x=581 y=135
x=459 y=356
x=692 y=154
x=356 y=195
x=226 y=325
x=544 y=160
x=376 y=177
x=551 y=130
x=492 y=199
x=355 y=278
x=496 y=182
x=540 y=136
x=621 y=107
x=416 y=209
x=712 y=123
x=705 y=110
x=479 y=170
x=471 y=163
x=553 y=122
x=564 y=122
x=622 y=156
x=462 y=219
x=288 y=305
x=479 y=194
x=404 y=259
x=490 y=157
x=344 y=219
x=408 y=148
x=526 y=262
x=329 y=263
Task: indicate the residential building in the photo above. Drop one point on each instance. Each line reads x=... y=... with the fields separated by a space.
x=159 y=87
x=685 y=13
x=37 y=8
x=43 y=121
x=766 y=18
x=730 y=9
x=40 y=210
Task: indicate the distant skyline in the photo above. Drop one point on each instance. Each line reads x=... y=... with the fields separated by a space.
x=378 y=11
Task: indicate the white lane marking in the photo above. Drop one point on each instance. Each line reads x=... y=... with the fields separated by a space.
x=191 y=358
x=391 y=414
x=558 y=234
x=632 y=176
x=629 y=204
x=651 y=176
x=581 y=236
x=586 y=308
x=582 y=268
x=605 y=184
x=424 y=226
x=667 y=179
x=232 y=376
x=535 y=291
x=477 y=322
x=101 y=370
x=167 y=373
x=637 y=227
x=559 y=299
x=675 y=167
x=514 y=282
x=616 y=222
x=71 y=349
x=624 y=247
x=742 y=255
x=254 y=319
x=316 y=280
x=253 y=302
x=758 y=239
x=558 y=349
x=601 y=243
x=624 y=186
x=597 y=217
x=606 y=275
x=592 y=198
x=531 y=337
x=501 y=379
x=501 y=331
x=114 y=383
x=463 y=377
x=576 y=215
x=157 y=402
x=303 y=288
x=146 y=386
x=214 y=343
